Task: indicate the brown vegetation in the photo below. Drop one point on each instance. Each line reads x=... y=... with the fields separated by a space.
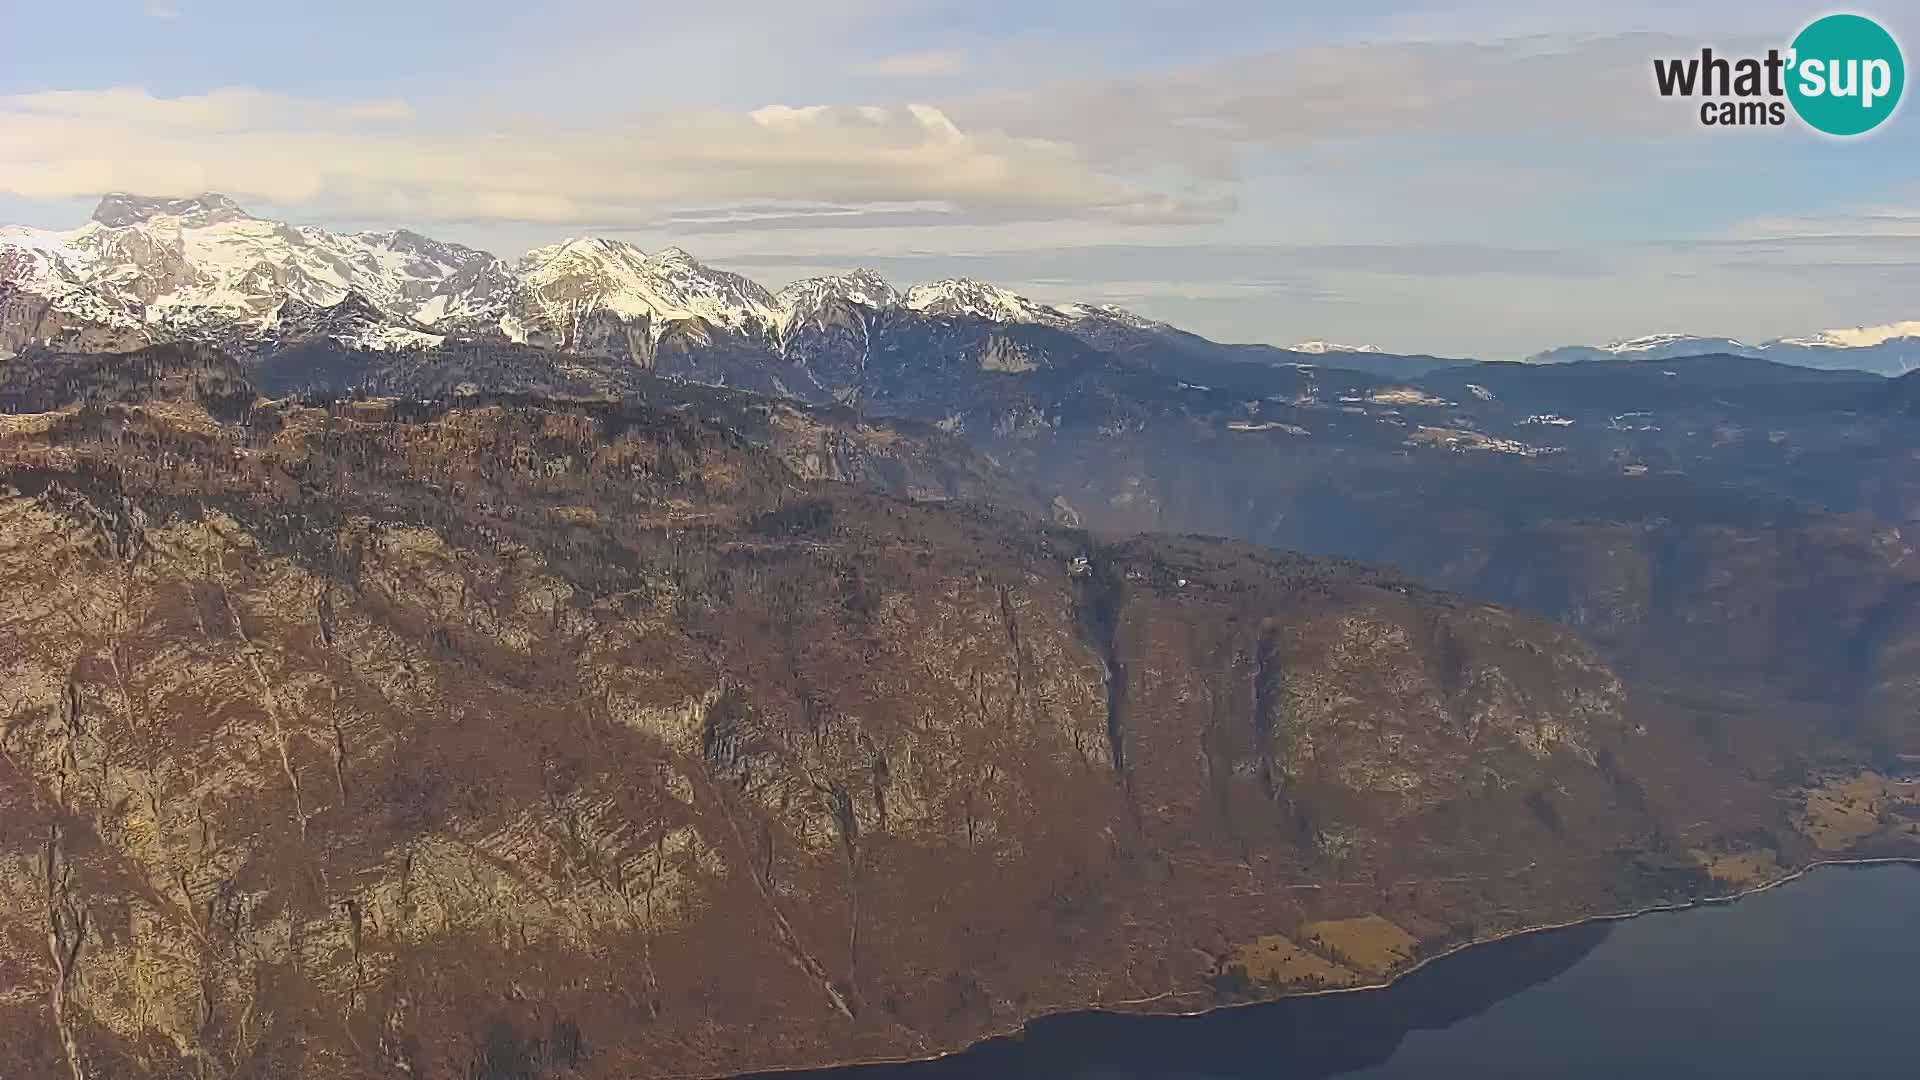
x=518 y=739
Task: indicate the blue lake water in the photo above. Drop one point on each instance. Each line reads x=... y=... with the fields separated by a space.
x=1819 y=978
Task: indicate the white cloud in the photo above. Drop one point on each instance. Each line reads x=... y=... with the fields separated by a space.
x=1204 y=118
x=912 y=65
x=1158 y=147
x=381 y=158
x=1876 y=238
x=220 y=112
x=1873 y=224
x=159 y=9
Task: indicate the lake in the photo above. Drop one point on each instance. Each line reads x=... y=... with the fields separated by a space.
x=1817 y=978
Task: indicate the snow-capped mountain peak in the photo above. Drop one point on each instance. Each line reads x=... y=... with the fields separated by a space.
x=1857 y=337
x=563 y=286
x=1646 y=347
x=672 y=256
x=1657 y=342
x=203 y=268
x=580 y=252
x=806 y=298
x=1891 y=348
x=965 y=296
x=1107 y=313
x=119 y=209
x=1321 y=348
x=859 y=286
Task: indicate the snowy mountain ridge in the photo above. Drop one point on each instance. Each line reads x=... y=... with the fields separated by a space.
x=1890 y=349
x=201 y=267
x=1322 y=348
x=1858 y=337
x=1654 y=342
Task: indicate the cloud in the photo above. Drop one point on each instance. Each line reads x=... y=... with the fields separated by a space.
x=914 y=65
x=1206 y=118
x=1888 y=223
x=159 y=9
x=778 y=218
x=1159 y=147
x=384 y=159
x=1877 y=238
x=221 y=112
x=1251 y=265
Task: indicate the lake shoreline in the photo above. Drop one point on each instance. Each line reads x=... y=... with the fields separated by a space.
x=1116 y=1008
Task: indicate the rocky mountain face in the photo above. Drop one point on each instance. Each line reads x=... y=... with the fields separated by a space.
x=1717 y=526
x=1658 y=509
x=1655 y=508
x=526 y=735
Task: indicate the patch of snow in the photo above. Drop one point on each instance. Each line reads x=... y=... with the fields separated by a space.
x=1318 y=348
x=1266 y=425
x=431 y=312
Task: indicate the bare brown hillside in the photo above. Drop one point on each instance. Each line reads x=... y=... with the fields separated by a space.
x=515 y=738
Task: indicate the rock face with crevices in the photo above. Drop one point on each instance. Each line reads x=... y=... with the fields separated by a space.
x=506 y=737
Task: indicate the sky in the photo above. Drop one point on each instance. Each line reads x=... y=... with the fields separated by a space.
x=1475 y=179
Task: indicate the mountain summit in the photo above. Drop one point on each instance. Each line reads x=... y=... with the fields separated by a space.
x=118 y=209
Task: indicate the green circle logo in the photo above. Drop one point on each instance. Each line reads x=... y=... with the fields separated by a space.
x=1846 y=75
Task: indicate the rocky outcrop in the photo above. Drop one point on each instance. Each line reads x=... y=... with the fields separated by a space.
x=28 y=320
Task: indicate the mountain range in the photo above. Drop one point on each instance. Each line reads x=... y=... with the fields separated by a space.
x=599 y=665
x=146 y=270
x=201 y=269
x=1893 y=349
